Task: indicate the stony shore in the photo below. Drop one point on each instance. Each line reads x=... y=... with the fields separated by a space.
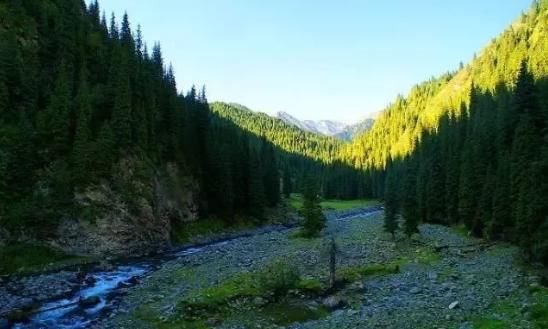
x=445 y=279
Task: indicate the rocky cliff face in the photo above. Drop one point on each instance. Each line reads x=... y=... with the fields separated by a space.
x=131 y=215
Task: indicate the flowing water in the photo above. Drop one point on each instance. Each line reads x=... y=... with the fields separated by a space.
x=109 y=286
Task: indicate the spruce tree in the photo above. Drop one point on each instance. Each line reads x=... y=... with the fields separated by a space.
x=287 y=185
x=256 y=191
x=271 y=175
x=4 y=95
x=105 y=145
x=467 y=187
x=391 y=203
x=501 y=221
x=435 y=199
x=121 y=113
x=82 y=152
x=314 y=219
x=54 y=122
x=409 y=203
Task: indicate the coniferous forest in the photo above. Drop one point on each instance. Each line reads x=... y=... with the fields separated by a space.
x=126 y=201
x=80 y=92
x=470 y=147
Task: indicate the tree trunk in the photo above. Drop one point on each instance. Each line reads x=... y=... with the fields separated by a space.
x=332 y=262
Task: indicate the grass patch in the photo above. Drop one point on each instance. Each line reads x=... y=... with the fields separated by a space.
x=461 y=230
x=491 y=324
x=539 y=309
x=235 y=299
x=310 y=285
x=185 y=233
x=507 y=313
x=355 y=273
x=271 y=282
x=27 y=259
x=286 y=313
x=413 y=254
x=296 y=201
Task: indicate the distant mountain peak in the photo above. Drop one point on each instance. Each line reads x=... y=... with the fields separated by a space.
x=328 y=127
x=322 y=127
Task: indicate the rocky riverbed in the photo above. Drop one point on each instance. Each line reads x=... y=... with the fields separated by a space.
x=443 y=279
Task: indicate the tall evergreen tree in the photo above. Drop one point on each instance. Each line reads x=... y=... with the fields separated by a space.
x=256 y=192
x=314 y=219
x=409 y=202
x=121 y=113
x=391 y=203
x=287 y=185
x=82 y=152
x=271 y=175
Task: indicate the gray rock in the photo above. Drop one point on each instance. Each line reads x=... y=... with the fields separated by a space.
x=90 y=280
x=26 y=304
x=87 y=302
x=333 y=302
x=357 y=286
x=259 y=301
x=415 y=290
x=432 y=276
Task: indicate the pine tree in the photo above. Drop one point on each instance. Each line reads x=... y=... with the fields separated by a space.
x=121 y=113
x=4 y=95
x=484 y=208
x=271 y=175
x=314 y=219
x=105 y=145
x=409 y=203
x=55 y=123
x=125 y=33
x=467 y=187
x=526 y=137
x=390 y=203
x=435 y=198
x=82 y=152
x=501 y=221
x=256 y=191
x=114 y=34
x=287 y=185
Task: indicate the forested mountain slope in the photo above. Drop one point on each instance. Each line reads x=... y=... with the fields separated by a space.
x=300 y=153
x=400 y=126
x=288 y=137
x=471 y=147
x=100 y=152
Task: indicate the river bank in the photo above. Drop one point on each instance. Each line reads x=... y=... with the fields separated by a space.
x=443 y=280
x=442 y=277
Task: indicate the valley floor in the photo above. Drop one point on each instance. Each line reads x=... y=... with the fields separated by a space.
x=444 y=280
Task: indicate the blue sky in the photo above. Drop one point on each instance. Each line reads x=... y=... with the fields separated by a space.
x=316 y=59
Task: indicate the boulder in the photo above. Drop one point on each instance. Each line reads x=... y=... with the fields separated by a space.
x=123 y=285
x=259 y=301
x=90 y=280
x=415 y=290
x=87 y=302
x=333 y=302
x=357 y=286
x=134 y=280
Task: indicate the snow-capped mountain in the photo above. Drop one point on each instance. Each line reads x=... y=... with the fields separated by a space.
x=328 y=127
x=352 y=130
x=323 y=127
